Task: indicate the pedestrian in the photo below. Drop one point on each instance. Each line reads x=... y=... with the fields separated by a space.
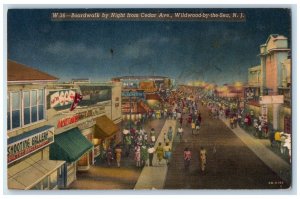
x=266 y=129
x=202 y=158
x=178 y=115
x=187 y=156
x=231 y=120
x=170 y=134
x=127 y=144
x=271 y=138
x=181 y=121
x=277 y=138
x=109 y=156
x=167 y=153
x=118 y=152
x=235 y=121
x=180 y=133
x=137 y=155
x=199 y=118
x=197 y=127
x=152 y=135
x=144 y=155
x=159 y=152
x=282 y=144
x=174 y=115
x=165 y=137
x=193 y=126
x=259 y=128
x=214 y=151
x=151 y=151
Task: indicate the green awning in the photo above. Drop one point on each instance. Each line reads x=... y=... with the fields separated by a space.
x=69 y=146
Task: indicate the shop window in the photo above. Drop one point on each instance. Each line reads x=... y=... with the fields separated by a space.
x=41 y=102
x=34 y=116
x=16 y=109
x=24 y=108
x=26 y=99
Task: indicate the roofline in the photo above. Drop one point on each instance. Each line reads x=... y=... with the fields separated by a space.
x=275 y=49
x=140 y=77
x=31 y=67
x=30 y=81
x=275 y=38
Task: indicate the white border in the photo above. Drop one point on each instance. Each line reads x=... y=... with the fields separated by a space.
x=154 y=4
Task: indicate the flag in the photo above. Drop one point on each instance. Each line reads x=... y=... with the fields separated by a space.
x=77 y=99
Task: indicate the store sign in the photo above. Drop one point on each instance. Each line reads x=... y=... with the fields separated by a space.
x=249 y=93
x=133 y=94
x=28 y=145
x=126 y=108
x=264 y=113
x=96 y=93
x=62 y=98
x=80 y=116
x=86 y=124
x=269 y=99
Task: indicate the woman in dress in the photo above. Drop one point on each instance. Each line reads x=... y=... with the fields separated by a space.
x=202 y=158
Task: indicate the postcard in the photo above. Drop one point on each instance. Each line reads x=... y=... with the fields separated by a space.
x=149 y=99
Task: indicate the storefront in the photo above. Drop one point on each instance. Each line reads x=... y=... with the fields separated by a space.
x=29 y=166
x=70 y=146
x=106 y=131
x=87 y=129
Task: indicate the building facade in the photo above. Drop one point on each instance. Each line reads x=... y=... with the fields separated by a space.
x=47 y=142
x=81 y=134
x=272 y=78
x=29 y=136
x=142 y=94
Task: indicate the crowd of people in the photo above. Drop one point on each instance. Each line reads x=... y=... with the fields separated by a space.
x=183 y=106
x=255 y=125
x=141 y=146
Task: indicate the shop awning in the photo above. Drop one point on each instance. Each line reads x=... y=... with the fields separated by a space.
x=69 y=146
x=153 y=96
x=31 y=175
x=105 y=127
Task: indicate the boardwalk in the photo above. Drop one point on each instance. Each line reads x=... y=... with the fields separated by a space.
x=232 y=166
x=154 y=177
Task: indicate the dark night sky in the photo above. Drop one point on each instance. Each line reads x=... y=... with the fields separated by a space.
x=219 y=52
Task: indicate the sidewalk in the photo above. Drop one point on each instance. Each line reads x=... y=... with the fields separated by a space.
x=154 y=177
x=272 y=160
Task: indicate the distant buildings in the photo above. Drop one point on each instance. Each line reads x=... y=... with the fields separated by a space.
x=47 y=143
x=140 y=94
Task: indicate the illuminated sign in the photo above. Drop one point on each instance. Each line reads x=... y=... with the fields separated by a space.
x=271 y=99
x=133 y=94
x=80 y=116
x=62 y=98
x=264 y=113
x=28 y=145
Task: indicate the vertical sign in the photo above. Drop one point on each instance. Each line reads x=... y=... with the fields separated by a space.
x=264 y=112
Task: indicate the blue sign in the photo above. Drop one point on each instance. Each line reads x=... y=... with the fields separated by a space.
x=133 y=94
